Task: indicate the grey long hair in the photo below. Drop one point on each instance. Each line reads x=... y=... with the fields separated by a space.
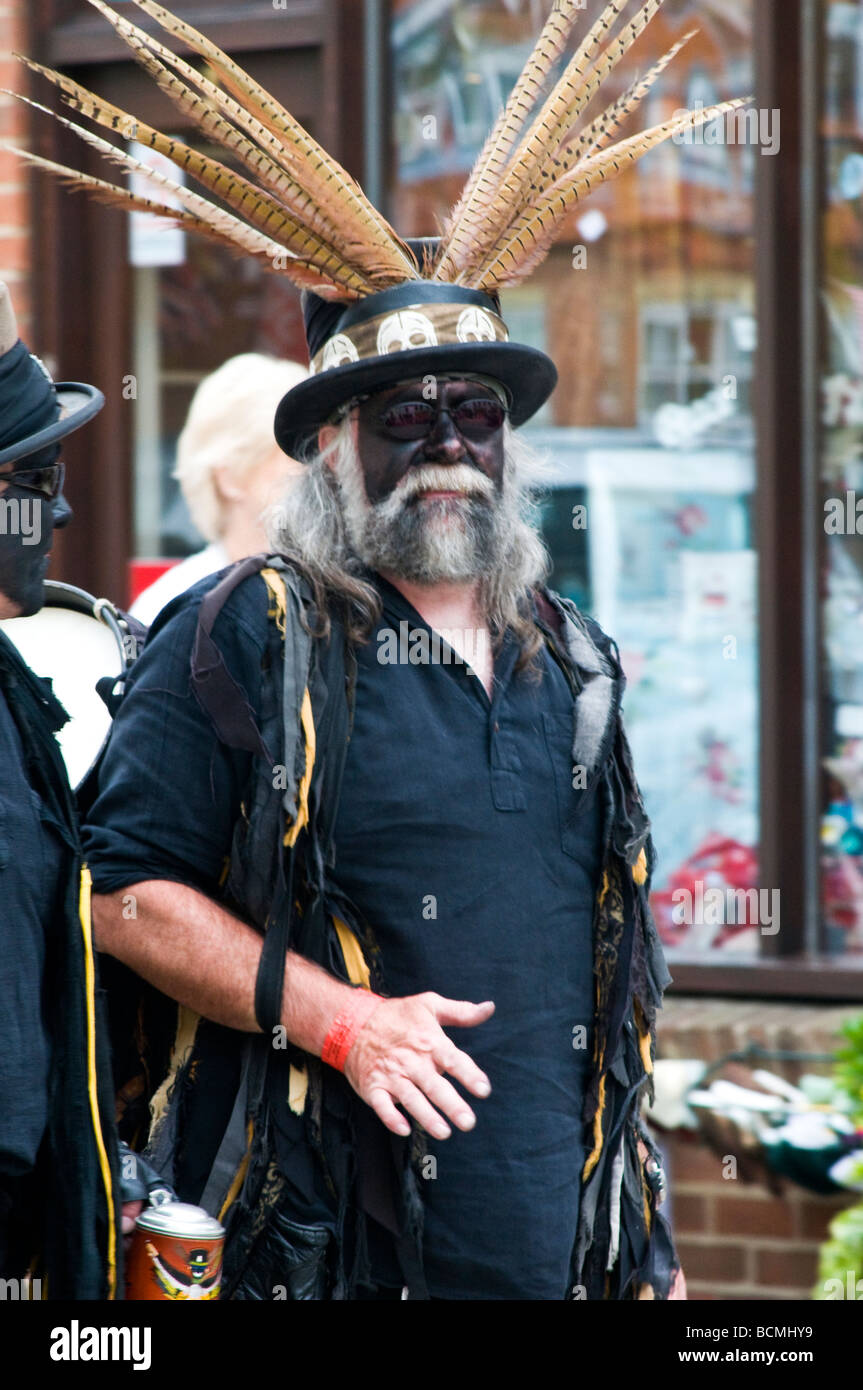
x=308 y=527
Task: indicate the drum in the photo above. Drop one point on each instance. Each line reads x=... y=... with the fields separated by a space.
x=76 y=640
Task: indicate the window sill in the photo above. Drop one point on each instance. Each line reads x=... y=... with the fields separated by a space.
x=801 y=977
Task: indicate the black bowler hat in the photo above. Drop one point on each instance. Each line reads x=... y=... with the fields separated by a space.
x=417 y=329
x=35 y=412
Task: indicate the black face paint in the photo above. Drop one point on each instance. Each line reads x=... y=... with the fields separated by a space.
x=411 y=524
x=27 y=524
x=385 y=460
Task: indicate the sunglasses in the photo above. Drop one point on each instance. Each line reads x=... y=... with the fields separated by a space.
x=48 y=482
x=474 y=419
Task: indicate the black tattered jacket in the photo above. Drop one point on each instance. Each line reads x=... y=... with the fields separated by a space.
x=76 y=1247
x=280 y=856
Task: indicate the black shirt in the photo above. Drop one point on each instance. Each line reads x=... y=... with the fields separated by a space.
x=459 y=838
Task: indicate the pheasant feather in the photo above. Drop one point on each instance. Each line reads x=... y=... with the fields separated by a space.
x=491 y=162
x=252 y=243
x=212 y=124
x=367 y=258
x=245 y=198
x=529 y=239
x=273 y=115
x=575 y=90
x=298 y=210
x=226 y=224
x=321 y=194
x=600 y=131
x=571 y=95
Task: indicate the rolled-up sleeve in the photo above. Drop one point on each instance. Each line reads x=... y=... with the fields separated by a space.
x=169 y=792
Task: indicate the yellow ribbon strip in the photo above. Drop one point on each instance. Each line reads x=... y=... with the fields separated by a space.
x=239 y=1176
x=84 y=903
x=355 y=963
x=308 y=723
x=639 y=868
x=276 y=587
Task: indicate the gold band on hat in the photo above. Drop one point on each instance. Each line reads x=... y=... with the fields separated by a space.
x=412 y=327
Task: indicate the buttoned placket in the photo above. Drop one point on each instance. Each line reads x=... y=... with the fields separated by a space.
x=505 y=767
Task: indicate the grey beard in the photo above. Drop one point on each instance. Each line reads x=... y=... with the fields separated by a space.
x=422 y=545
x=321 y=522
x=428 y=542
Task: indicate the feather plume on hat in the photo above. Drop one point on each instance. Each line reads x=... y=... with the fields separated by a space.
x=300 y=214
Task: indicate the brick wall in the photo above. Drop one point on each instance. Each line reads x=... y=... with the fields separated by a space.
x=735 y=1238
x=15 y=244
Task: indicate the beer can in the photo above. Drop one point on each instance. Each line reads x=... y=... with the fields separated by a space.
x=176 y=1253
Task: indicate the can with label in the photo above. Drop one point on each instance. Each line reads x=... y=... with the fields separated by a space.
x=176 y=1253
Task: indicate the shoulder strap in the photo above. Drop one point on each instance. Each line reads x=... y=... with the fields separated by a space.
x=291 y=600
x=225 y=704
x=312 y=679
x=215 y=689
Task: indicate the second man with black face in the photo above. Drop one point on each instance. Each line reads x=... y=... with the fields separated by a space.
x=59 y=1213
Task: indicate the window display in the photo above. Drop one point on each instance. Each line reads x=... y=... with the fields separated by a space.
x=842 y=481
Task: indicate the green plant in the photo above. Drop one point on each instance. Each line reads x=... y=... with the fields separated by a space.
x=849 y=1067
x=840 y=1269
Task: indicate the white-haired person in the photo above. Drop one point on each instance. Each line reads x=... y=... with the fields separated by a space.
x=230 y=469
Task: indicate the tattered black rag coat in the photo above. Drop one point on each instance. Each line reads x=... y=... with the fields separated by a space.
x=281 y=854
x=76 y=1247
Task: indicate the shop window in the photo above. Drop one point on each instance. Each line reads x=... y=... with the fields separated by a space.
x=691 y=354
x=842 y=484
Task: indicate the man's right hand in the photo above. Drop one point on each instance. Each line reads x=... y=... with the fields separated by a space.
x=400 y=1055
x=195 y=951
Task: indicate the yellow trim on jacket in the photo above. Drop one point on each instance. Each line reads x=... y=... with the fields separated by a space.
x=84 y=916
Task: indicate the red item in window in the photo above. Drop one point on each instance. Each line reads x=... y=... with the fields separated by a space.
x=143 y=573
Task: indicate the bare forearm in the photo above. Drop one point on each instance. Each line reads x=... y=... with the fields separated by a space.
x=189 y=947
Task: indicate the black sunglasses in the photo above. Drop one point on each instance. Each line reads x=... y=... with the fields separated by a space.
x=48 y=482
x=474 y=419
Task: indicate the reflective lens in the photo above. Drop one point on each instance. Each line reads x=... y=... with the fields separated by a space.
x=48 y=481
x=474 y=419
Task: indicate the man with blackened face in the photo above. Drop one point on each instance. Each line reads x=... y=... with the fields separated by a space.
x=432 y=472
x=50 y=1123
x=32 y=508
x=432 y=737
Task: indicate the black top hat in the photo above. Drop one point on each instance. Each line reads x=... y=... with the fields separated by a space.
x=418 y=329
x=35 y=412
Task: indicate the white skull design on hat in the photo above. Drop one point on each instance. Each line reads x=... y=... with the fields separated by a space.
x=405 y=330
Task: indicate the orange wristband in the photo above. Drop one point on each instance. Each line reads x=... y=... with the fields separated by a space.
x=343 y=1033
